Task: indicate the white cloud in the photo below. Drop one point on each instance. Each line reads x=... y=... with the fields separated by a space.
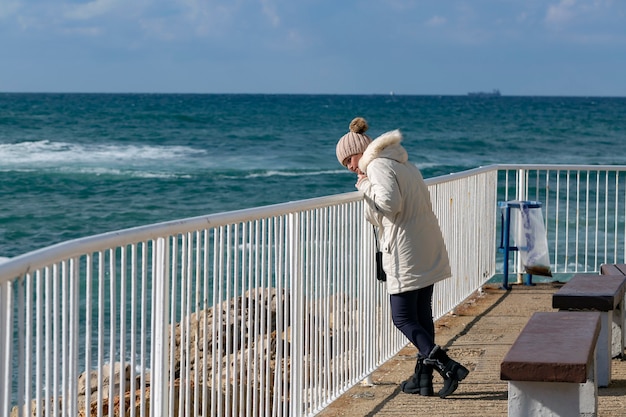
x=8 y=8
x=270 y=12
x=203 y=18
x=436 y=21
x=522 y=17
x=587 y=22
x=568 y=10
x=92 y=9
x=562 y=12
x=84 y=31
x=402 y=5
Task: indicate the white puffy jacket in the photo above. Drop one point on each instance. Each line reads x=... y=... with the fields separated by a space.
x=398 y=201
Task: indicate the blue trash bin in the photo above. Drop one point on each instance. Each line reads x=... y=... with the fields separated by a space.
x=505 y=235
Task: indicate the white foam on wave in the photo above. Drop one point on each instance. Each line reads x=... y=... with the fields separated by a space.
x=273 y=173
x=426 y=165
x=48 y=153
x=123 y=172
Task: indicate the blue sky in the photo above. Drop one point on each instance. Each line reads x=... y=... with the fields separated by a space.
x=448 y=47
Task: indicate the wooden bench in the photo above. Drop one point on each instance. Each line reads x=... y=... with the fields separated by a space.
x=603 y=294
x=613 y=269
x=619 y=317
x=551 y=366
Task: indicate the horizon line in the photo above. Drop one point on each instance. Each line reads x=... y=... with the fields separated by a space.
x=391 y=94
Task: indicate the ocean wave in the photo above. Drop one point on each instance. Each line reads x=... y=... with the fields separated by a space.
x=113 y=172
x=48 y=153
x=426 y=165
x=148 y=174
x=274 y=173
x=123 y=173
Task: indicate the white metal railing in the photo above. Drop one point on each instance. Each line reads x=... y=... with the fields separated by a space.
x=266 y=311
x=584 y=208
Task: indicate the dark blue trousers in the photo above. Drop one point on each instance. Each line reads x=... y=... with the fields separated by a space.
x=412 y=314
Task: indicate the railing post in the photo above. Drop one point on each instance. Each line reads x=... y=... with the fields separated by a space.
x=522 y=195
x=506 y=244
x=296 y=402
x=5 y=346
x=368 y=269
x=159 y=397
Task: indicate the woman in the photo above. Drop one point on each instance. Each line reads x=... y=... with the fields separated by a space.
x=414 y=253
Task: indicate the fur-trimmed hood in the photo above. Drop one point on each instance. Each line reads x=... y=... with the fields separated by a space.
x=386 y=145
x=397 y=200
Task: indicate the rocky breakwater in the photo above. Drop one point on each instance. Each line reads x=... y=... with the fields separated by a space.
x=235 y=354
x=238 y=335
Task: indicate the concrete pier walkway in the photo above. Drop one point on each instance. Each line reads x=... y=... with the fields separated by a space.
x=478 y=335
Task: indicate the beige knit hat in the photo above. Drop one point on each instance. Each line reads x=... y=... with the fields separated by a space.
x=355 y=141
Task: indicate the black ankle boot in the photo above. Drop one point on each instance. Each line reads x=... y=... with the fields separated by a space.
x=451 y=371
x=421 y=382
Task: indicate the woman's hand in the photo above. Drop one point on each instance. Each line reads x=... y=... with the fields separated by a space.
x=361 y=177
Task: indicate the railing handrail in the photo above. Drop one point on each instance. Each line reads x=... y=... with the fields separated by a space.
x=23 y=264
x=487 y=168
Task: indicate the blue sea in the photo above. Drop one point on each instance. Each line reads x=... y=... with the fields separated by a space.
x=74 y=165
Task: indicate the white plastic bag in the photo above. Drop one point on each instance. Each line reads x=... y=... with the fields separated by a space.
x=532 y=242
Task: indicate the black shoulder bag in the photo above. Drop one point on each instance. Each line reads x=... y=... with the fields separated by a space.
x=381 y=275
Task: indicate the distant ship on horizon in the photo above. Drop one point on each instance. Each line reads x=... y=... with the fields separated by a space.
x=494 y=93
